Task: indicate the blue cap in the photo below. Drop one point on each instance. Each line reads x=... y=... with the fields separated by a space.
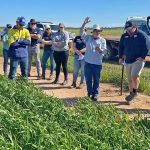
x=21 y=21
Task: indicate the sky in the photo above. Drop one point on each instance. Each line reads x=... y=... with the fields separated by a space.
x=107 y=13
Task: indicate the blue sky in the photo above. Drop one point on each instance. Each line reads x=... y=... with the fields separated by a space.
x=105 y=12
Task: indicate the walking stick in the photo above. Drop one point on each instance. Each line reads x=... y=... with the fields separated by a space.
x=122 y=79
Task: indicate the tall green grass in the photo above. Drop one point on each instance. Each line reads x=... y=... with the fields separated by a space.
x=29 y=120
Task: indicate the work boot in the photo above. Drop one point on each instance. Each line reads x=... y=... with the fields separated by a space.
x=73 y=85
x=95 y=98
x=80 y=86
x=65 y=82
x=51 y=76
x=56 y=81
x=130 y=98
x=39 y=77
x=43 y=76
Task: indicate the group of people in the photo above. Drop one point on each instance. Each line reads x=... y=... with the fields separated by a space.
x=21 y=44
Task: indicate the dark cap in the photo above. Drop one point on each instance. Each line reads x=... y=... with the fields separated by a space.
x=9 y=26
x=129 y=24
x=32 y=21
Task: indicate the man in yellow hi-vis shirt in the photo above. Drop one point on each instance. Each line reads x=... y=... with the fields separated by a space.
x=19 y=39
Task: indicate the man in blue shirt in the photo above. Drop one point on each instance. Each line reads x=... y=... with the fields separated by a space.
x=4 y=38
x=34 y=49
x=133 y=49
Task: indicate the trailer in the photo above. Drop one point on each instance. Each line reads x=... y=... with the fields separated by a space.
x=142 y=23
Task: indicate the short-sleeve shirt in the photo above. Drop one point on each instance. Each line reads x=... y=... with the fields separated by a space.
x=34 y=31
x=79 y=43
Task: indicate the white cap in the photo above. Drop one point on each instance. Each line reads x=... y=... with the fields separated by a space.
x=47 y=26
x=96 y=27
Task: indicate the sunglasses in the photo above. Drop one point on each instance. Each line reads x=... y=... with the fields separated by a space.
x=97 y=31
x=61 y=27
x=33 y=23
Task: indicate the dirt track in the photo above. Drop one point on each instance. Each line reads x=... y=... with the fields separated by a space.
x=109 y=94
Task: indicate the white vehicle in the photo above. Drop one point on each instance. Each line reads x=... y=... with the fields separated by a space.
x=54 y=28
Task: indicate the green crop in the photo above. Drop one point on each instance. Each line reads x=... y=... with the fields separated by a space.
x=29 y=120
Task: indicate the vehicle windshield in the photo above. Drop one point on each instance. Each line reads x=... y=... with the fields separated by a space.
x=142 y=25
x=54 y=27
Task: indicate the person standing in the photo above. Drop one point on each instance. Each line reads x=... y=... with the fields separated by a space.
x=48 y=52
x=79 y=50
x=95 y=48
x=4 y=38
x=61 y=52
x=133 y=49
x=34 y=49
x=18 y=39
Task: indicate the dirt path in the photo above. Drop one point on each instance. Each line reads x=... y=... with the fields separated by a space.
x=109 y=94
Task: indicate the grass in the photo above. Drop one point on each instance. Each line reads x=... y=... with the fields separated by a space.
x=32 y=121
x=106 y=32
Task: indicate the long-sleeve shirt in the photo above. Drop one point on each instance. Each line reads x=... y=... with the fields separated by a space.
x=135 y=46
x=18 y=41
x=63 y=38
x=92 y=56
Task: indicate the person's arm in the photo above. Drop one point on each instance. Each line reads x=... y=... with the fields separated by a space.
x=146 y=48
x=82 y=29
x=25 y=41
x=75 y=49
x=47 y=42
x=121 y=50
x=38 y=35
x=64 y=43
x=83 y=50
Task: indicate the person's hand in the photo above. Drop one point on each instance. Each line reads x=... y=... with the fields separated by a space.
x=87 y=20
x=140 y=59
x=120 y=61
x=78 y=52
x=98 y=49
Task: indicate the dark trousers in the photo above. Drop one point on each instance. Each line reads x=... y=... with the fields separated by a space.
x=61 y=58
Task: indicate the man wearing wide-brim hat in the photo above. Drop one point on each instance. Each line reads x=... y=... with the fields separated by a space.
x=34 y=49
x=95 y=49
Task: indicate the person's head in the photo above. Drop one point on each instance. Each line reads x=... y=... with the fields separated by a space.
x=61 y=27
x=20 y=22
x=8 y=26
x=48 y=29
x=130 y=27
x=33 y=23
x=96 y=31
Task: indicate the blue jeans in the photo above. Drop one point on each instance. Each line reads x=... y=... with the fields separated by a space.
x=14 y=62
x=46 y=55
x=92 y=77
x=78 y=64
x=5 y=56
